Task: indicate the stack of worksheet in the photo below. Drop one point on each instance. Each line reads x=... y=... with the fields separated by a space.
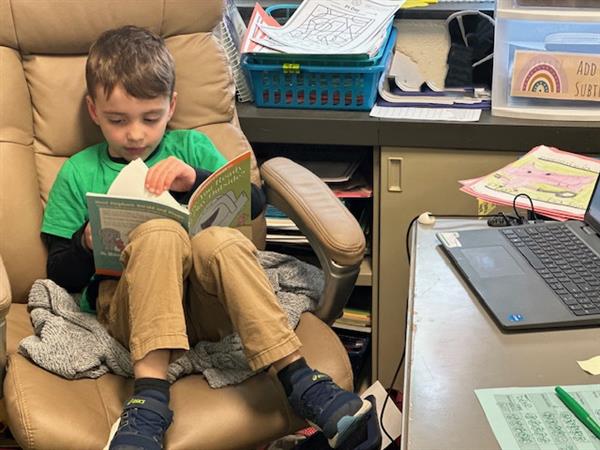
x=319 y=27
x=557 y=184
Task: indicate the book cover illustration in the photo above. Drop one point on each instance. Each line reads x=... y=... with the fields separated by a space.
x=223 y=199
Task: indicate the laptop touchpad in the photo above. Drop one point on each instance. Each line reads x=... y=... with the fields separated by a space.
x=491 y=262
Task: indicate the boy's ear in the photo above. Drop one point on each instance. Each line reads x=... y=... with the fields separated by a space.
x=91 y=106
x=172 y=105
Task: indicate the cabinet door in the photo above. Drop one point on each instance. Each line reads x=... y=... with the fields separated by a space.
x=414 y=180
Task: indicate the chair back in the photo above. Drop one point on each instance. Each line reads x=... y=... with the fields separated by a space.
x=43 y=116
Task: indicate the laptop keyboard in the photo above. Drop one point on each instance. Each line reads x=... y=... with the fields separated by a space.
x=567 y=265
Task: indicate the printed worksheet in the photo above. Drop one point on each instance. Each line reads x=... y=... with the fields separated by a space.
x=535 y=418
x=332 y=27
x=559 y=183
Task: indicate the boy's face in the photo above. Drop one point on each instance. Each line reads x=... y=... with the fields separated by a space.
x=132 y=127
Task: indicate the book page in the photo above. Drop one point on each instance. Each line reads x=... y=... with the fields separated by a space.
x=131 y=182
x=113 y=218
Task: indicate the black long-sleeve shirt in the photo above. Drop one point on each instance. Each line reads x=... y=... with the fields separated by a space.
x=71 y=265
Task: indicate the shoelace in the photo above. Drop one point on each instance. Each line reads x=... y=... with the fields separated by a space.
x=318 y=396
x=142 y=421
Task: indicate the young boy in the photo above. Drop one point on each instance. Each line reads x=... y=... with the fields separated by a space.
x=130 y=82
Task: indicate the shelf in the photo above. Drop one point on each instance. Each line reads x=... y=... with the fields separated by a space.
x=343 y=326
x=365 y=276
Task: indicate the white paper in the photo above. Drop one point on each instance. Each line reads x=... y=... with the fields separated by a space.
x=406 y=73
x=131 y=182
x=332 y=27
x=401 y=72
x=526 y=418
x=559 y=183
x=254 y=33
x=392 y=417
x=427 y=43
x=445 y=114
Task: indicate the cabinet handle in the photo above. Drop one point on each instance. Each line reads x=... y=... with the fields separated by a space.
x=394 y=174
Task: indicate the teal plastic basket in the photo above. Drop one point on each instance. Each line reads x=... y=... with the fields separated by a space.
x=314 y=86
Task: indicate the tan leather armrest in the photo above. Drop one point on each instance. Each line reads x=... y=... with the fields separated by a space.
x=315 y=209
x=333 y=233
x=5 y=292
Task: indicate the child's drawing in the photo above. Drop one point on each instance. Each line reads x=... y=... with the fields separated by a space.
x=531 y=177
x=326 y=26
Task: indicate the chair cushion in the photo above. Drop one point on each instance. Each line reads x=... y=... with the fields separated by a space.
x=78 y=414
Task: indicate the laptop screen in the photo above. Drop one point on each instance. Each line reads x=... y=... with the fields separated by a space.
x=592 y=214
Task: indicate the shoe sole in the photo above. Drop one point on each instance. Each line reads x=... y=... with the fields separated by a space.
x=347 y=424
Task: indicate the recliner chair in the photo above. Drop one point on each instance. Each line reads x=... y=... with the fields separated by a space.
x=43 y=46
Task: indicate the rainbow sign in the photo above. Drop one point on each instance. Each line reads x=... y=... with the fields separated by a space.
x=555 y=75
x=543 y=78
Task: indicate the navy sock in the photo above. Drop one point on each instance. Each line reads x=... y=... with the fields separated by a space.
x=155 y=388
x=285 y=374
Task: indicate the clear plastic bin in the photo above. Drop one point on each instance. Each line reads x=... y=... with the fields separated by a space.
x=553 y=34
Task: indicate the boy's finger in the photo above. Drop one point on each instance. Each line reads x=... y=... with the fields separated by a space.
x=164 y=179
x=154 y=174
x=168 y=180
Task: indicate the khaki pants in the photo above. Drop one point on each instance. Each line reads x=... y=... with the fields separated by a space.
x=175 y=291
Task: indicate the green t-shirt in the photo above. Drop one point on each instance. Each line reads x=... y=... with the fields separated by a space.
x=92 y=170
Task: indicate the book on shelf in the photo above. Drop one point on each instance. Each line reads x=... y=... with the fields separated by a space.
x=222 y=199
x=281 y=229
x=356 y=187
x=342 y=176
x=286 y=238
x=355 y=317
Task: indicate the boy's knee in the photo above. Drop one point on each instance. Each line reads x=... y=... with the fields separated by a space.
x=212 y=240
x=162 y=229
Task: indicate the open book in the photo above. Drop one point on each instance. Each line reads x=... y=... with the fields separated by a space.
x=223 y=199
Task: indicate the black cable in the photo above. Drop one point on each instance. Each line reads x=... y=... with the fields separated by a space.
x=387 y=397
x=447 y=216
x=514 y=205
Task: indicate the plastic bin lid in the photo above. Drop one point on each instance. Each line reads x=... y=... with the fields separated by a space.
x=558 y=3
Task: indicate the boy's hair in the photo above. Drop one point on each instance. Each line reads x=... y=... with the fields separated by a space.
x=134 y=57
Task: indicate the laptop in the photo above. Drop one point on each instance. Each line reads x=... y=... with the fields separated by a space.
x=535 y=276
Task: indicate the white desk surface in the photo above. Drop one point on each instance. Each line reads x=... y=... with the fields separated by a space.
x=454 y=347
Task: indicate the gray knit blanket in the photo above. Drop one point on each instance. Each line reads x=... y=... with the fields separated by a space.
x=73 y=344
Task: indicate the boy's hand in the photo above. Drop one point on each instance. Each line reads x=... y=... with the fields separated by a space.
x=170 y=174
x=86 y=237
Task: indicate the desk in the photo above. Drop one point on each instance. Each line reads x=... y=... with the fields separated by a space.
x=454 y=347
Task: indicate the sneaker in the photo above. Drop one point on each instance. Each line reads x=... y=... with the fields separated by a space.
x=334 y=411
x=142 y=425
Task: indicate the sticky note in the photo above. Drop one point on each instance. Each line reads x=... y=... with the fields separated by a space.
x=591 y=365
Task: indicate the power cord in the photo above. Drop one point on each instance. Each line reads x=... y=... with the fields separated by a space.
x=531 y=214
